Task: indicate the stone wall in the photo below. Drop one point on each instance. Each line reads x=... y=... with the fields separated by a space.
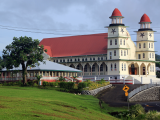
x=95 y=91
x=150 y=94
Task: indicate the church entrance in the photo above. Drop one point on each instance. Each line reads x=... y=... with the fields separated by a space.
x=133 y=70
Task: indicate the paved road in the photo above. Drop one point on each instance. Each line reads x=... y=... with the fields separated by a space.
x=115 y=97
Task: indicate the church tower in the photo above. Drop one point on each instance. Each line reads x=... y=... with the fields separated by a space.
x=145 y=40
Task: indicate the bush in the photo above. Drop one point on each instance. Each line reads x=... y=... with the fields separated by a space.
x=82 y=85
x=137 y=110
x=51 y=84
x=67 y=85
x=4 y=83
x=44 y=84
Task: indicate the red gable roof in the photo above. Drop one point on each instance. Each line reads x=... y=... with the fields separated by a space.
x=145 y=18
x=76 y=45
x=116 y=12
x=49 y=52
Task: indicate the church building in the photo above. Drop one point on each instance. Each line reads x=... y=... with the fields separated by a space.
x=108 y=55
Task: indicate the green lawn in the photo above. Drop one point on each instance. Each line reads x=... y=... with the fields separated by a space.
x=27 y=103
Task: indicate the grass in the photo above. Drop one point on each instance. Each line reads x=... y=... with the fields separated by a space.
x=31 y=103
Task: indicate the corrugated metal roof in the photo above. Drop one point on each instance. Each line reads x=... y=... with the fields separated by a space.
x=77 y=45
x=49 y=66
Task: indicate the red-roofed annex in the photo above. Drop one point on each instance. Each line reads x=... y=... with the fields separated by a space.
x=111 y=55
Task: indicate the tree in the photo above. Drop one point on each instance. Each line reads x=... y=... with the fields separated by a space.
x=24 y=51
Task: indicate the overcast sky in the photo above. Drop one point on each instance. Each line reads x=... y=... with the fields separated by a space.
x=56 y=18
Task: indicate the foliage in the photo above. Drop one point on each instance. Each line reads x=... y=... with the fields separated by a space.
x=82 y=85
x=44 y=83
x=61 y=78
x=39 y=78
x=67 y=85
x=158 y=74
x=24 y=51
x=137 y=109
x=102 y=81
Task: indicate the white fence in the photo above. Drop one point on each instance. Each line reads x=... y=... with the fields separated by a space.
x=141 y=88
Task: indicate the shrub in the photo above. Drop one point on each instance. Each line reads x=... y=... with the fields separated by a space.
x=61 y=78
x=137 y=110
x=44 y=84
x=67 y=85
x=51 y=84
x=82 y=85
x=56 y=83
x=4 y=83
x=20 y=83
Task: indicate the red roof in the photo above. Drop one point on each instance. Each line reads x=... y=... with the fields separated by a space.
x=145 y=18
x=76 y=45
x=116 y=12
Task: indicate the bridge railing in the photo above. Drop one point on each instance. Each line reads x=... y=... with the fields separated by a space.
x=141 y=88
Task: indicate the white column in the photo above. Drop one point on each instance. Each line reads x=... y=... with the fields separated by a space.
x=141 y=80
x=123 y=81
x=150 y=81
x=116 y=20
x=133 y=81
x=95 y=78
x=148 y=25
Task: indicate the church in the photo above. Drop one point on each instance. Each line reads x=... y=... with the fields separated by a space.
x=108 y=55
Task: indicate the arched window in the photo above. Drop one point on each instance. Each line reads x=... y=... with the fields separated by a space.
x=110 y=42
x=122 y=66
x=115 y=41
x=143 y=55
x=121 y=53
x=101 y=67
x=115 y=67
x=150 y=55
x=98 y=58
x=114 y=52
x=56 y=60
x=149 y=45
x=101 y=58
x=124 y=42
x=120 y=41
x=78 y=59
x=93 y=58
x=70 y=60
x=75 y=60
x=82 y=59
x=64 y=60
x=90 y=59
x=111 y=67
x=124 y=53
x=139 y=45
x=110 y=55
x=106 y=67
x=93 y=68
x=86 y=59
x=144 y=45
x=85 y=68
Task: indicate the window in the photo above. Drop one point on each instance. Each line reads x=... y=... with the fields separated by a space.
x=122 y=66
x=106 y=67
x=110 y=55
x=98 y=58
x=111 y=67
x=124 y=42
x=90 y=59
x=82 y=59
x=115 y=67
x=70 y=60
x=149 y=45
x=124 y=53
x=115 y=41
x=144 y=45
x=152 y=55
x=114 y=52
x=86 y=59
x=85 y=68
x=93 y=68
x=60 y=60
x=56 y=60
x=75 y=60
x=143 y=55
x=101 y=67
x=110 y=42
x=101 y=58
x=150 y=68
x=120 y=41
x=64 y=60
x=139 y=56
x=78 y=59
x=139 y=45
x=106 y=58
x=121 y=53
x=93 y=58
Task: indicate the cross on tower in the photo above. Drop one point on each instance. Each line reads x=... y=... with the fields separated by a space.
x=150 y=35
x=122 y=30
x=113 y=30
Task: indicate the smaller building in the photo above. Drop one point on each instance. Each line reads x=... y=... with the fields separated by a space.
x=50 y=72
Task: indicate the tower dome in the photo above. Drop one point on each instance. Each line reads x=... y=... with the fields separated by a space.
x=116 y=12
x=145 y=18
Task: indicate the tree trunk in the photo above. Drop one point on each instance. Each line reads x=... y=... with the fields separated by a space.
x=24 y=69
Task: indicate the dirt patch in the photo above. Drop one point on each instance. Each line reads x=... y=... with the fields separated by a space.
x=1 y=106
x=59 y=116
x=67 y=106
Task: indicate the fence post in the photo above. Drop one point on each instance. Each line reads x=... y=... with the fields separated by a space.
x=109 y=79
x=123 y=81
x=95 y=79
x=133 y=81
x=151 y=81
x=141 y=80
x=82 y=78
